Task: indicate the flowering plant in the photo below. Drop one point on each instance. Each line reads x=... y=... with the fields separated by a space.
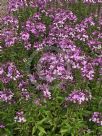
x=48 y=51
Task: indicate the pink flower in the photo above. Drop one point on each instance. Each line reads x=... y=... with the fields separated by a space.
x=79 y=97
x=96 y=118
x=6 y=95
x=20 y=117
x=24 y=36
x=2 y=125
x=45 y=90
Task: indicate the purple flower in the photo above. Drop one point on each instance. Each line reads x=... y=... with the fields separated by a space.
x=42 y=3
x=23 y=84
x=24 y=36
x=40 y=27
x=25 y=94
x=6 y=95
x=8 y=72
x=32 y=79
x=10 y=21
x=95 y=45
x=79 y=97
x=45 y=90
x=37 y=102
x=97 y=118
x=10 y=41
x=16 y=5
x=2 y=125
x=8 y=34
x=35 y=26
x=88 y=71
x=58 y=40
x=92 y=1
x=51 y=67
x=20 y=117
x=27 y=45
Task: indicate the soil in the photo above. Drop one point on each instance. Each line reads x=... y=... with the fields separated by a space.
x=3 y=7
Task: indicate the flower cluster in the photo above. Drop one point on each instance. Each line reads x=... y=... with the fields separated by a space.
x=92 y=1
x=79 y=97
x=42 y=3
x=15 y=5
x=8 y=38
x=6 y=95
x=97 y=118
x=51 y=67
x=8 y=72
x=23 y=87
x=20 y=117
x=45 y=90
x=8 y=34
x=20 y=4
x=10 y=21
x=82 y=28
x=95 y=45
x=60 y=36
x=35 y=26
x=62 y=33
x=25 y=94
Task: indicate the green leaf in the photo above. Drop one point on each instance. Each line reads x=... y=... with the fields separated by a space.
x=41 y=122
x=33 y=130
x=65 y=130
x=41 y=129
x=8 y=132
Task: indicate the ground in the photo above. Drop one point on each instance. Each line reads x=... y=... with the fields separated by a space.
x=3 y=9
